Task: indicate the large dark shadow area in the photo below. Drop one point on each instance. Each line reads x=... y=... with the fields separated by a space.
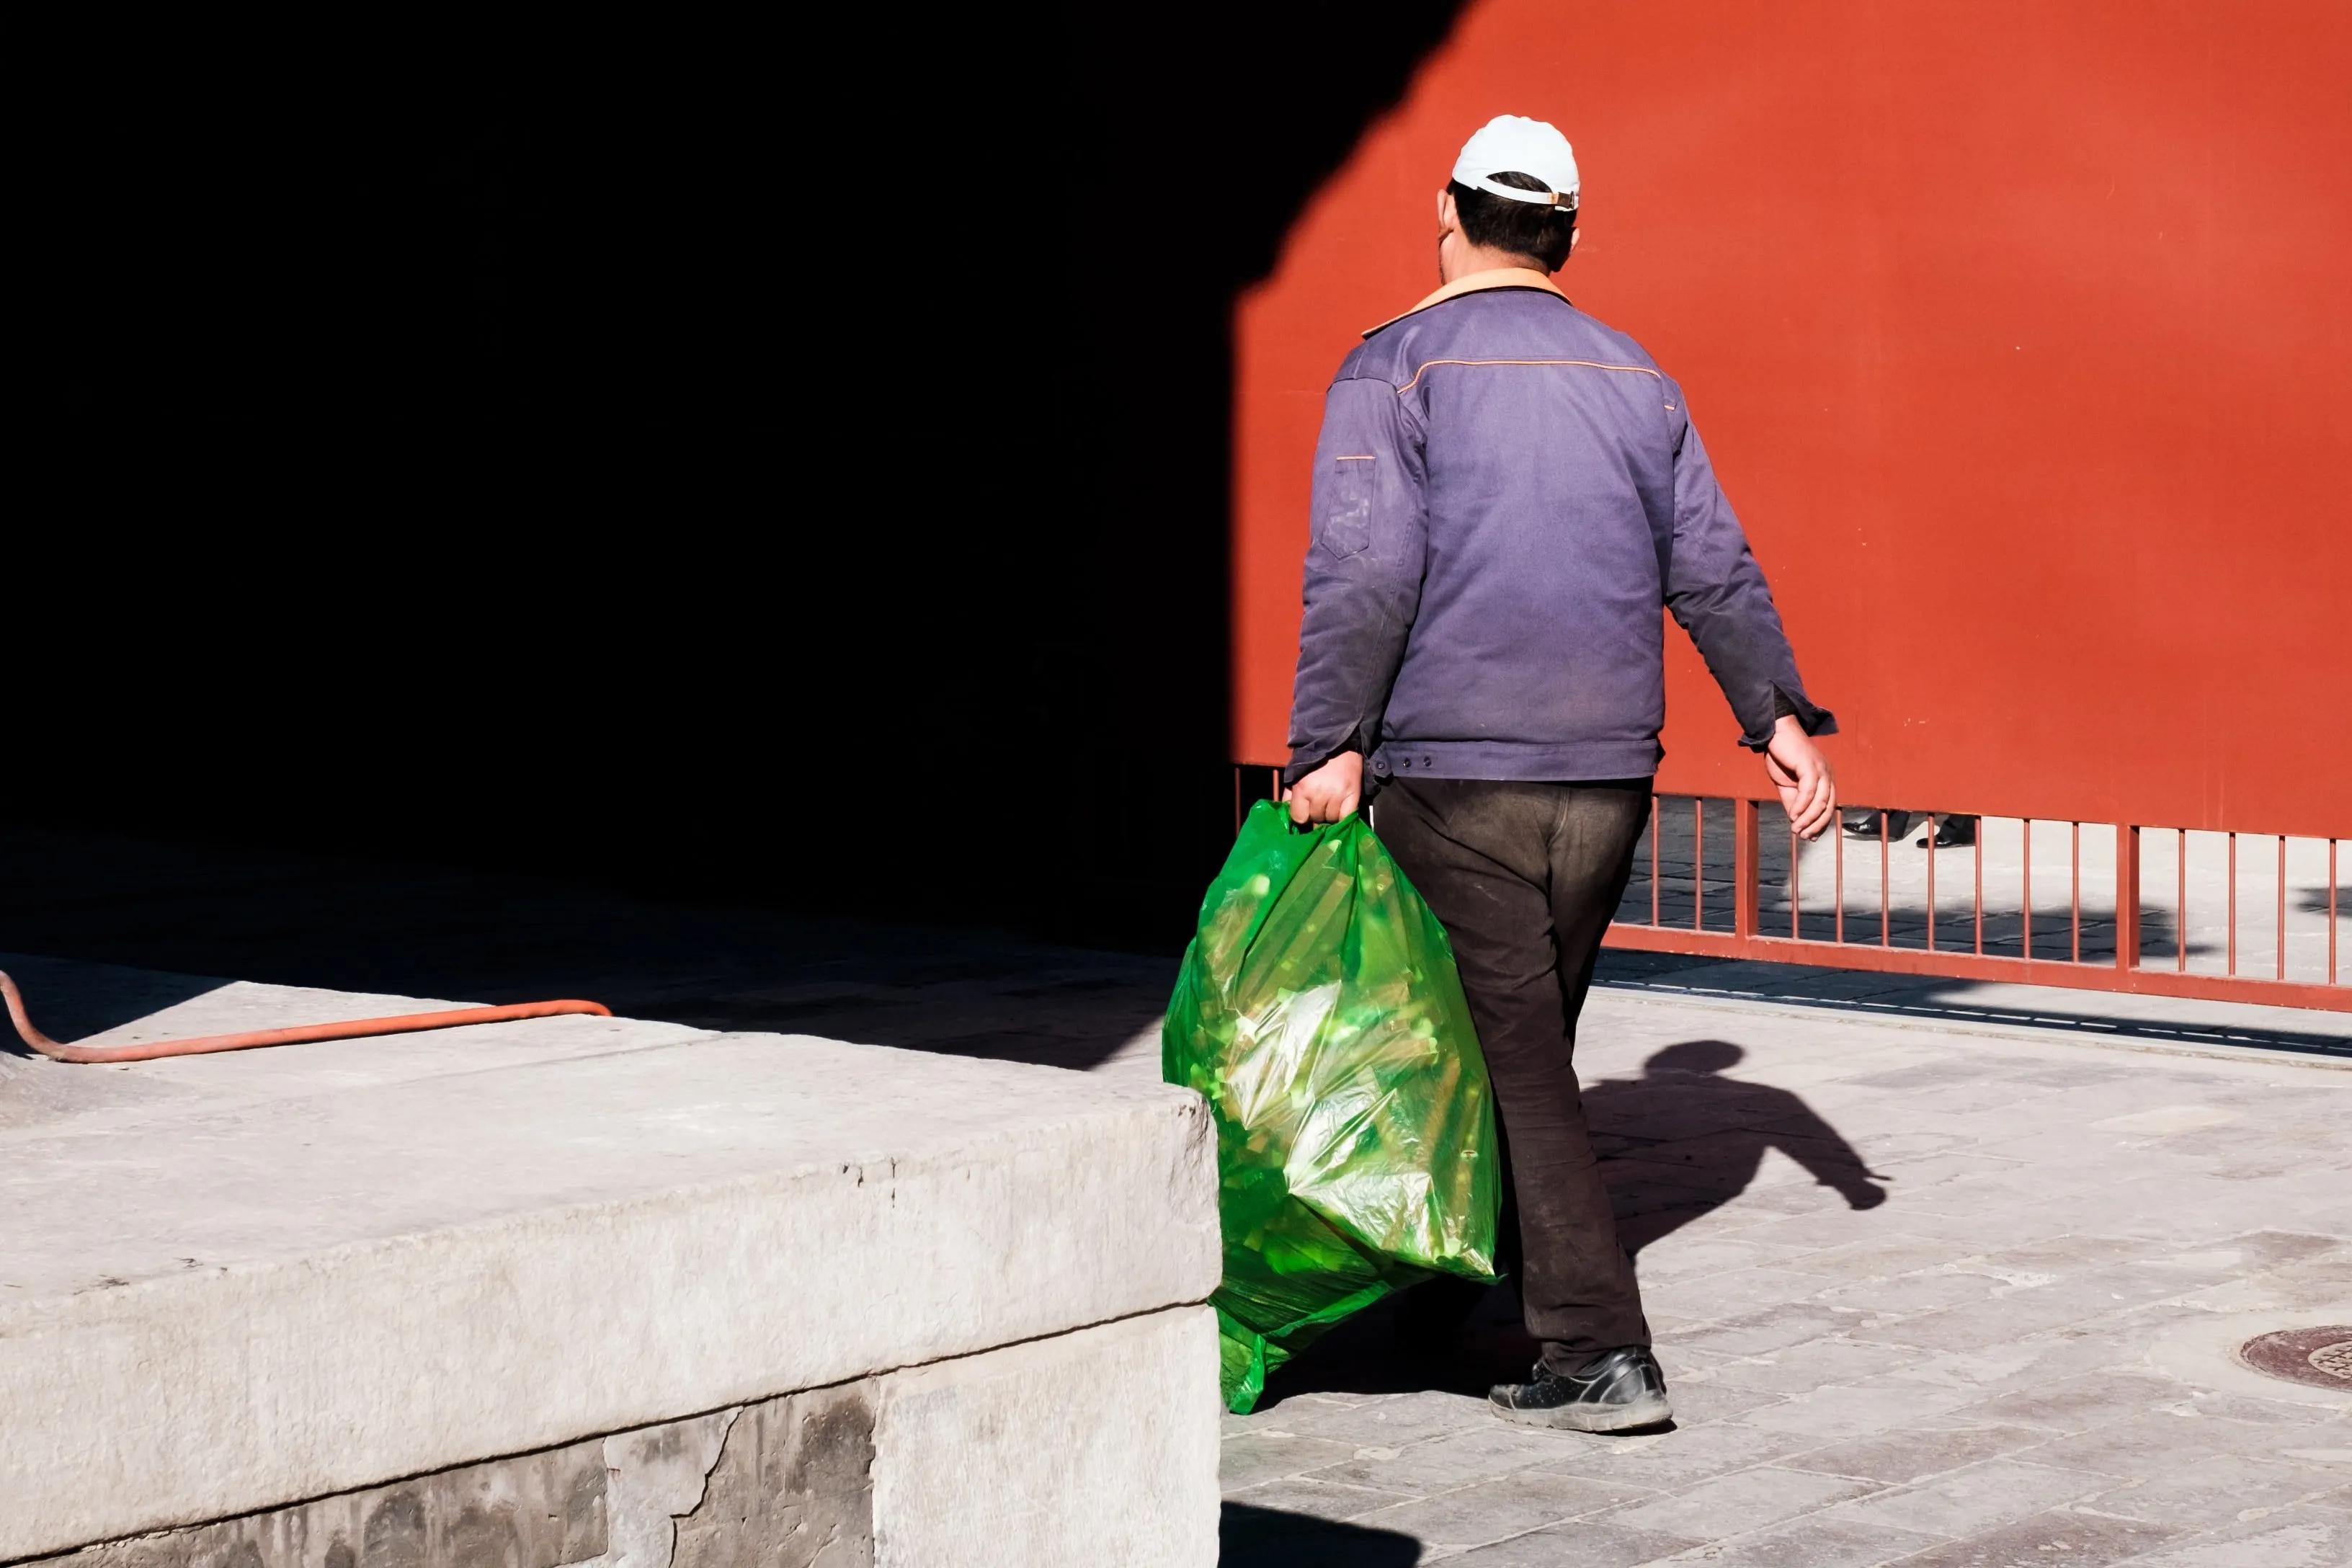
x=1676 y=1143
x=72 y=999
x=100 y=929
x=1250 y=1537
x=768 y=460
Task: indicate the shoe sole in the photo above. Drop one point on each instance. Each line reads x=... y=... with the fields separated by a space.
x=1650 y=1412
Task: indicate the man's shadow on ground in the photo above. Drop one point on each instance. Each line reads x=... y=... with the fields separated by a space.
x=1675 y=1144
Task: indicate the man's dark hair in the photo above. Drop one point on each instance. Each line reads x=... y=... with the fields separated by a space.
x=1522 y=228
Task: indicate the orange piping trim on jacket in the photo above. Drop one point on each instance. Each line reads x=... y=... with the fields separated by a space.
x=1587 y=363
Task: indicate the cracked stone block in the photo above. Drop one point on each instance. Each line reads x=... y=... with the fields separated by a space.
x=794 y=1485
x=973 y=1462
x=363 y=1264
x=534 y=1511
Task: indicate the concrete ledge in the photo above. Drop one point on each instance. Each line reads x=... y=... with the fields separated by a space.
x=210 y=1308
x=1094 y=1447
x=995 y=1461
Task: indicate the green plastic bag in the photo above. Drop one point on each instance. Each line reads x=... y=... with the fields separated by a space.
x=1319 y=1013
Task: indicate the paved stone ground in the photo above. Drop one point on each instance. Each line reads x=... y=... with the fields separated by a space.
x=1923 y=1296
x=2020 y=1354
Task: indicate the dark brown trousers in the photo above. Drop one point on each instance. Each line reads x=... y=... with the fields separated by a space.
x=1525 y=878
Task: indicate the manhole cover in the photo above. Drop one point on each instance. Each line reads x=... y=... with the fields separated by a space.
x=2321 y=1358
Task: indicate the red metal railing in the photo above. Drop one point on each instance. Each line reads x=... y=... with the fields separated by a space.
x=1760 y=898
x=2104 y=944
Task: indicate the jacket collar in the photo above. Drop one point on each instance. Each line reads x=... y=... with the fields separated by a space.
x=1471 y=283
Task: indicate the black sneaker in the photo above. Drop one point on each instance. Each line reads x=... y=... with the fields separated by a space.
x=1622 y=1391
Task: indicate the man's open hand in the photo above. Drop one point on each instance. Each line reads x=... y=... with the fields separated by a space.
x=1330 y=792
x=1802 y=774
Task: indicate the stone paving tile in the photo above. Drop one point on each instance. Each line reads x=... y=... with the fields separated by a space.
x=1296 y=1409
x=1911 y=1294
x=2198 y=1214
x=2074 y=1540
x=1249 y=1458
x=1883 y=1257
x=1852 y=1410
x=1323 y=1500
x=1817 y=1543
x=2009 y=1219
x=1584 y=1544
x=1925 y=1172
x=1493 y=1510
x=2071 y=1253
x=1898 y=1459
x=1884 y=1146
x=1802 y=1368
x=2147 y=1444
x=2011 y=1313
x=2078 y=1403
x=2217 y=1486
x=2291 y=1537
x=1673 y=1459
x=2037 y=1361
x=1796 y=1199
x=1844 y=1230
x=1975 y=1498
x=1679 y=1361
x=1716 y=1258
x=1760 y=1333
x=2238 y=1255
x=1740 y=1291
x=1737 y=1503
x=2316 y=1285
x=1441 y=1464
x=1709 y=1222
x=1697 y=1403
x=1388 y=1422
x=2331 y=1446
x=2270 y=1415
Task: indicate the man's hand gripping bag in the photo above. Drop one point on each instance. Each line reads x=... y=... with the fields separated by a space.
x=1319 y=1013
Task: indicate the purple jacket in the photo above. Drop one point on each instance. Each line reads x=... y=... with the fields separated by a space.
x=1506 y=492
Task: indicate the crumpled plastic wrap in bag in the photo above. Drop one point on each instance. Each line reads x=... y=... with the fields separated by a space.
x=1319 y=1013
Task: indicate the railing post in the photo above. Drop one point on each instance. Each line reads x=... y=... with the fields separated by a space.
x=2127 y=897
x=1746 y=870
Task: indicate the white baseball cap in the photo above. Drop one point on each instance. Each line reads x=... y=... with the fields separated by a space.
x=1512 y=143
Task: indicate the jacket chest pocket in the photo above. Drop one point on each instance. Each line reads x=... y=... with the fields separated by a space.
x=1346 y=521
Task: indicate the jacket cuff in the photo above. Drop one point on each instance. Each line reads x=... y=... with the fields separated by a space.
x=1812 y=718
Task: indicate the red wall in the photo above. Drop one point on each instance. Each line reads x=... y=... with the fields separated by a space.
x=2021 y=337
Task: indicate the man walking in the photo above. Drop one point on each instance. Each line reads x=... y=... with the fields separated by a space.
x=1506 y=493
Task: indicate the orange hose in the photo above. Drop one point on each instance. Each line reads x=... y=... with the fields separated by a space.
x=349 y=1029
